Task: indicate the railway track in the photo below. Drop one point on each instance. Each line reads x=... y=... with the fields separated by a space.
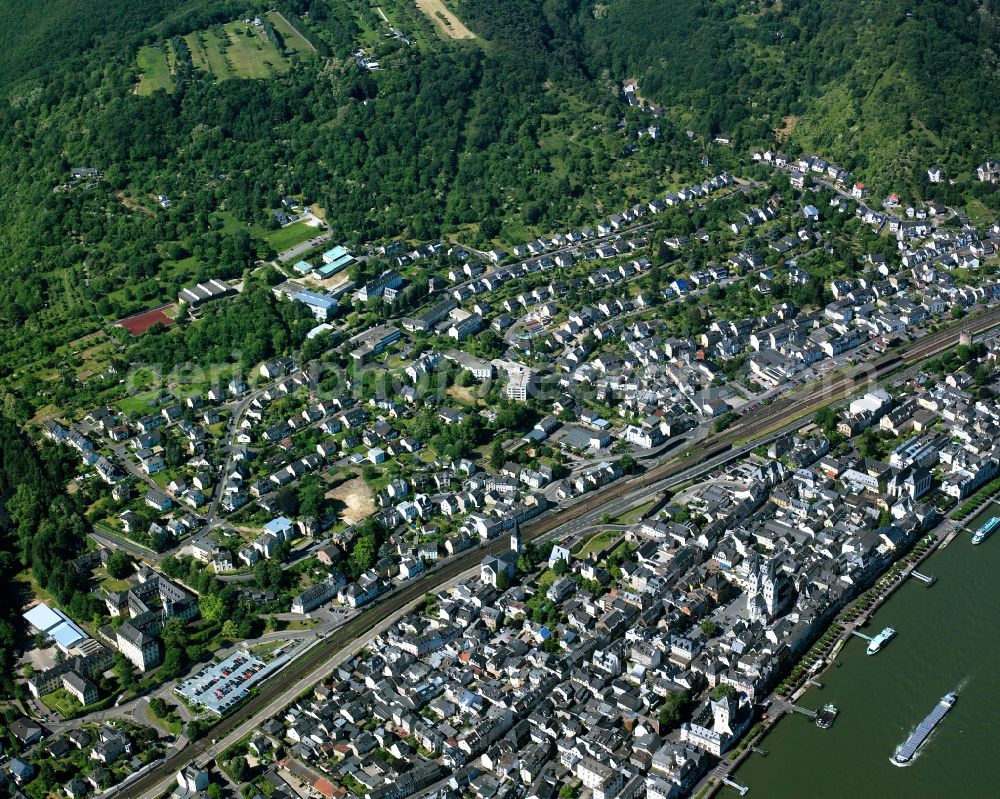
x=324 y=652
x=790 y=407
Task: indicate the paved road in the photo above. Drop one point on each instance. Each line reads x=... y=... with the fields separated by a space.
x=119 y=542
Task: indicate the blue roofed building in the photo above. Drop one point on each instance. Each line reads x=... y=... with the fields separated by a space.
x=321 y=305
x=281 y=527
x=335 y=260
x=21 y=771
x=303 y=267
x=56 y=625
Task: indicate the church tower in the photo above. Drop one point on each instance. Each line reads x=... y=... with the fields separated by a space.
x=515 y=541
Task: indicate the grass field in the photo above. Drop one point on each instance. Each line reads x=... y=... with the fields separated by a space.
x=111 y=584
x=251 y=54
x=297 y=625
x=290 y=235
x=211 y=46
x=62 y=702
x=292 y=37
x=233 y=50
x=597 y=543
x=633 y=516
x=138 y=403
x=155 y=70
x=172 y=724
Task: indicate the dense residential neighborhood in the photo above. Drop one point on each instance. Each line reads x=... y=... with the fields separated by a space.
x=628 y=656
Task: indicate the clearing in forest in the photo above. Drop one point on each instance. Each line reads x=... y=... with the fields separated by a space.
x=293 y=39
x=155 y=69
x=234 y=50
x=444 y=19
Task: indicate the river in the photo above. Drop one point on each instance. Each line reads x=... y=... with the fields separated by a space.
x=948 y=638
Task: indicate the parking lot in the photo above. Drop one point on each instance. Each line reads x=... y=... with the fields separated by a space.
x=219 y=686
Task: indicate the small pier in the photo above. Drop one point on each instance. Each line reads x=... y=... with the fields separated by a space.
x=743 y=789
x=861 y=635
x=803 y=710
x=759 y=751
x=814 y=683
x=928 y=581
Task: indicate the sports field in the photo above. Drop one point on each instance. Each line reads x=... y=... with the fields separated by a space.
x=291 y=235
x=139 y=323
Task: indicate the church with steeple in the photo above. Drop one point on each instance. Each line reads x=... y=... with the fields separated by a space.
x=491 y=566
x=767 y=590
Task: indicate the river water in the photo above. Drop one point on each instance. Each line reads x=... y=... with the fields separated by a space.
x=948 y=639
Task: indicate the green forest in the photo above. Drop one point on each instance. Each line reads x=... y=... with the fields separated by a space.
x=883 y=87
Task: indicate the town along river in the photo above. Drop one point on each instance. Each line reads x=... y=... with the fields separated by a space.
x=948 y=638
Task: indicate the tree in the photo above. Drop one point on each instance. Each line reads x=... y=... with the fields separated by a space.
x=159 y=707
x=239 y=769
x=214 y=791
x=496 y=455
x=119 y=564
x=724 y=690
x=125 y=672
x=364 y=550
x=230 y=630
x=826 y=418
x=868 y=443
x=288 y=502
x=47 y=779
x=503 y=580
x=311 y=499
x=672 y=710
x=708 y=628
x=173 y=662
x=211 y=606
x=489 y=228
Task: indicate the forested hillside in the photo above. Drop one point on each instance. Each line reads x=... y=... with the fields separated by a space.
x=44 y=39
x=519 y=132
x=445 y=138
x=884 y=87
